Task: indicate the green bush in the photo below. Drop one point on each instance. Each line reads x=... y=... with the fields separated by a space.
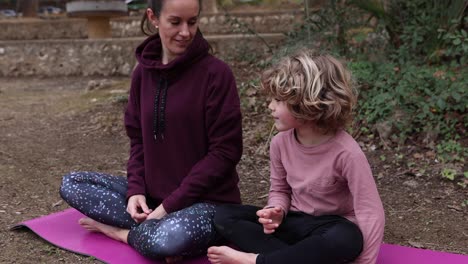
x=420 y=30
x=454 y=43
x=409 y=60
x=414 y=98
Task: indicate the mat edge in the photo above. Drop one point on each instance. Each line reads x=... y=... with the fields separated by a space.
x=25 y=226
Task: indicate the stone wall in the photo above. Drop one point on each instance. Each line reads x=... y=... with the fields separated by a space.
x=210 y=24
x=66 y=57
x=104 y=57
x=35 y=47
x=28 y=29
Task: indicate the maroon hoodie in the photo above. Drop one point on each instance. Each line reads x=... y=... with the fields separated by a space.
x=184 y=124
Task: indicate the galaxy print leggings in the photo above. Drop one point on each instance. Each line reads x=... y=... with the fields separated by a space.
x=102 y=197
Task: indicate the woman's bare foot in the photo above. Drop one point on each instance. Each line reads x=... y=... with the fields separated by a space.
x=113 y=232
x=227 y=255
x=173 y=259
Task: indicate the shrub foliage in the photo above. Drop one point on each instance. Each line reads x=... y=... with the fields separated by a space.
x=409 y=62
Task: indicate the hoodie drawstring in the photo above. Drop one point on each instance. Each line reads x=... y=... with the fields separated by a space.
x=159 y=121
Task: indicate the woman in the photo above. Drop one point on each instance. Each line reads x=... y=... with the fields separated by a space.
x=184 y=123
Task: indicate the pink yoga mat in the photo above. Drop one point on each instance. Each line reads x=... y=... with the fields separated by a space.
x=62 y=230
x=393 y=254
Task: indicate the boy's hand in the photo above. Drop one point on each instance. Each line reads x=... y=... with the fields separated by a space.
x=270 y=218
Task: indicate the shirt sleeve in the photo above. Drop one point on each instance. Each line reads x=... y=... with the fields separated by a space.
x=280 y=191
x=223 y=122
x=135 y=164
x=367 y=206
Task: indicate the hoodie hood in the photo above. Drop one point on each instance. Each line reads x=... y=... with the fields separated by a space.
x=149 y=54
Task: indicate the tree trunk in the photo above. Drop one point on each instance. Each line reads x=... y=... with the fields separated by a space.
x=310 y=5
x=28 y=7
x=315 y=3
x=210 y=6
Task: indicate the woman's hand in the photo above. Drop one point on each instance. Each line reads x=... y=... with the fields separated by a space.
x=158 y=213
x=270 y=218
x=137 y=208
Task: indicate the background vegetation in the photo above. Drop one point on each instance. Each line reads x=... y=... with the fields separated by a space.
x=409 y=62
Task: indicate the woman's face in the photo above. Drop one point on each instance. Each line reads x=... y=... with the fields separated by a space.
x=177 y=25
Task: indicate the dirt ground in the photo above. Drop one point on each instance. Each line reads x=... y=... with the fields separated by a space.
x=49 y=127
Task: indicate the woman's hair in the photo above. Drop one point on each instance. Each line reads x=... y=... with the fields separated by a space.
x=315 y=88
x=156 y=6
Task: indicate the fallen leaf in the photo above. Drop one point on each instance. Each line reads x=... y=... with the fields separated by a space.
x=454 y=207
x=416 y=244
x=57 y=203
x=439 y=74
x=430 y=154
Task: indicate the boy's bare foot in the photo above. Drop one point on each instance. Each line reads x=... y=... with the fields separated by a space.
x=113 y=232
x=173 y=259
x=227 y=255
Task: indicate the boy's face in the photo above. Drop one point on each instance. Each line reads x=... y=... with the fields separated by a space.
x=284 y=120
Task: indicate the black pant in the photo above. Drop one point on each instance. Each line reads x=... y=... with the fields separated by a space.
x=301 y=238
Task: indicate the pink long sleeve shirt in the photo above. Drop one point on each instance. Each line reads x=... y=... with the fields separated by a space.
x=333 y=178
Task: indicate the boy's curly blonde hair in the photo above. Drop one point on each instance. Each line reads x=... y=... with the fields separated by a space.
x=315 y=88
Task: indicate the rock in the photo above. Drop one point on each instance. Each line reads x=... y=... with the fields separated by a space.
x=98 y=85
x=411 y=183
x=118 y=91
x=91 y=85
